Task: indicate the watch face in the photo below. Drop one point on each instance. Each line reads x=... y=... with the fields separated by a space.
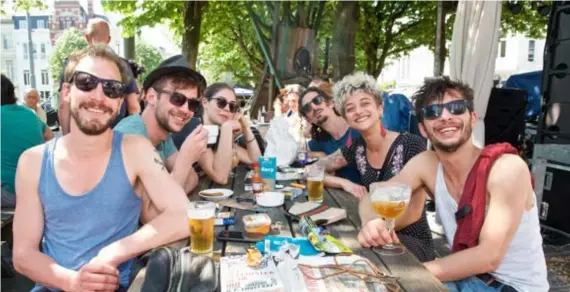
x=303 y=62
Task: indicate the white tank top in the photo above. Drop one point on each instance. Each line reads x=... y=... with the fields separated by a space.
x=523 y=267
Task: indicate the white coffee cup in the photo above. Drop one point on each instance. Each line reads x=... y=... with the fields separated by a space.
x=213 y=132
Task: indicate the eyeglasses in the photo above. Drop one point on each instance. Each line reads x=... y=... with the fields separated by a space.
x=456 y=107
x=316 y=101
x=178 y=99
x=222 y=103
x=87 y=82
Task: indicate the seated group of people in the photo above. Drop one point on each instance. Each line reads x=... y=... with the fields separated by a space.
x=140 y=172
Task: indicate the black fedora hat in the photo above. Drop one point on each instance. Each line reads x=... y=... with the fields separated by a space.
x=174 y=64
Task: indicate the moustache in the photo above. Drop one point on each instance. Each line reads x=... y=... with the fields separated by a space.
x=96 y=105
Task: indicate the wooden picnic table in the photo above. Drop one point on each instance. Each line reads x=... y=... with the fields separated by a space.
x=412 y=275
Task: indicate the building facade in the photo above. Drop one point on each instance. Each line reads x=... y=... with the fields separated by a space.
x=516 y=54
x=41 y=46
x=8 y=56
x=68 y=14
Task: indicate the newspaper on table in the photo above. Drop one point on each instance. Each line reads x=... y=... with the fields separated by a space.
x=288 y=276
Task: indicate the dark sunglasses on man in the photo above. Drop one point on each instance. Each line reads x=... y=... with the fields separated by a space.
x=317 y=100
x=456 y=107
x=87 y=82
x=178 y=99
x=222 y=103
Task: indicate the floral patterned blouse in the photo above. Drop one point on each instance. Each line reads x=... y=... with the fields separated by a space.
x=401 y=151
x=416 y=236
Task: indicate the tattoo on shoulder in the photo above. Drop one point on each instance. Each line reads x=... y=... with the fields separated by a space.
x=159 y=161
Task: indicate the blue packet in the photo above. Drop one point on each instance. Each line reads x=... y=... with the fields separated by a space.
x=275 y=242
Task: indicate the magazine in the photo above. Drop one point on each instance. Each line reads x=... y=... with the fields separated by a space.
x=237 y=276
x=290 y=275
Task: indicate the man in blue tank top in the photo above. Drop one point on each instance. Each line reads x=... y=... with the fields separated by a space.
x=75 y=193
x=503 y=253
x=172 y=93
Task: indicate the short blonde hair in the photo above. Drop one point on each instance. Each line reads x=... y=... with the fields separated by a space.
x=350 y=84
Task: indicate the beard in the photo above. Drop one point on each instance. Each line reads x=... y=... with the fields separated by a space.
x=466 y=132
x=93 y=128
x=163 y=121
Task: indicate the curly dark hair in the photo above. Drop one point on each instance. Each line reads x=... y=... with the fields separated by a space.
x=435 y=89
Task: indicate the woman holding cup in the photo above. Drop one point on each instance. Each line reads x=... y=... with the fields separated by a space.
x=379 y=154
x=231 y=137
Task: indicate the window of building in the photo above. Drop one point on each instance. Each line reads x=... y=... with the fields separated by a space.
x=44 y=95
x=35 y=52
x=26 y=77
x=10 y=69
x=530 y=51
x=23 y=24
x=503 y=48
x=61 y=27
x=41 y=24
x=43 y=50
x=25 y=46
x=45 y=77
x=6 y=41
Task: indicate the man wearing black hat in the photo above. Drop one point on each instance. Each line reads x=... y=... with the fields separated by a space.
x=173 y=94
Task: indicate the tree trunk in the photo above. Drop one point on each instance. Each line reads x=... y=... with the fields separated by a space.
x=191 y=37
x=344 y=39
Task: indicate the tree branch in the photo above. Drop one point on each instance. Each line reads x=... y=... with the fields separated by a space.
x=270 y=6
x=238 y=37
x=407 y=27
x=317 y=21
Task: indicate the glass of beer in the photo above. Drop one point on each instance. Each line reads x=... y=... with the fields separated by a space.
x=235 y=161
x=390 y=200
x=201 y=221
x=315 y=185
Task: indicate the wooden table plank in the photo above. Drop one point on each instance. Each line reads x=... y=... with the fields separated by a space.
x=413 y=275
x=344 y=231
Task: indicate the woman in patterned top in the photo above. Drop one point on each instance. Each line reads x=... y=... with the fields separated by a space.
x=379 y=155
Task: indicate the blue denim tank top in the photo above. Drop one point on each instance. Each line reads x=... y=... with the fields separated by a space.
x=76 y=228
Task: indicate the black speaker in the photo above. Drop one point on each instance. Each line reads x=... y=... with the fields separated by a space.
x=554 y=121
x=555 y=196
x=505 y=116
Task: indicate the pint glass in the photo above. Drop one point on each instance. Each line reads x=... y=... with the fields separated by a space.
x=315 y=184
x=201 y=221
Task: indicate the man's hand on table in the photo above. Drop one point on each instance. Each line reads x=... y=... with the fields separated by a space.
x=95 y=276
x=374 y=233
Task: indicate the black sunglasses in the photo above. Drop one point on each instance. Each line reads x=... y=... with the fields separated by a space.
x=87 y=82
x=222 y=103
x=456 y=107
x=178 y=99
x=317 y=100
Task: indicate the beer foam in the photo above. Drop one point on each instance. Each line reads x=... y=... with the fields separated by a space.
x=200 y=214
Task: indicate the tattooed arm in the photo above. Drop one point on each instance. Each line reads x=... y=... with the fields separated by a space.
x=143 y=164
x=334 y=161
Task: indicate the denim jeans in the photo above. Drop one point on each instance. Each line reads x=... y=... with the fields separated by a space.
x=471 y=284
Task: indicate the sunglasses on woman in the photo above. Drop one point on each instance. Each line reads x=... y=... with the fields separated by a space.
x=222 y=103
x=456 y=107
x=317 y=100
x=178 y=99
x=87 y=82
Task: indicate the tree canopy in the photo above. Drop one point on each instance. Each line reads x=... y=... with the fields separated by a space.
x=147 y=56
x=228 y=43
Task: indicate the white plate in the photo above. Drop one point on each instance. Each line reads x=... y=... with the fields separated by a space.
x=270 y=199
x=226 y=194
